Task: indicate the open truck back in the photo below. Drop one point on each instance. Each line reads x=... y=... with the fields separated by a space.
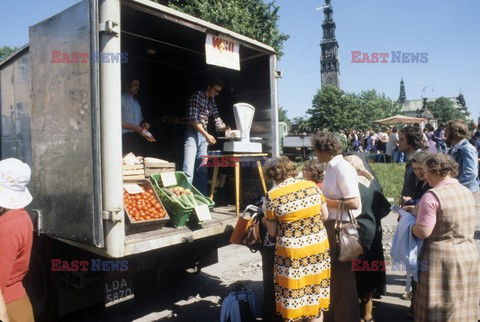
x=64 y=120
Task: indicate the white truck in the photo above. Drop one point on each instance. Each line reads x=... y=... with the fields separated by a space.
x=61 y=115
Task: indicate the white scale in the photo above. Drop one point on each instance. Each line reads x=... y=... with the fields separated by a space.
x=243 y=143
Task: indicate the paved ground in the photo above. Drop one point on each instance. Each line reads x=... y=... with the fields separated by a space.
x=198 y=298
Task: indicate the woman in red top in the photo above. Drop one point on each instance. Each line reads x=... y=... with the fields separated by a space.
x=16 y=234
x=313 y=170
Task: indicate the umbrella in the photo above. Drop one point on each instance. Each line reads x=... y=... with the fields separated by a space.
x=401 y=119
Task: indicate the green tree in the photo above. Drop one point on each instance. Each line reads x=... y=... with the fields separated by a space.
x=444 y=110
x=253 y=18
x=5 y=51
x=300 y=123
x=335 y=109
x=282 y=116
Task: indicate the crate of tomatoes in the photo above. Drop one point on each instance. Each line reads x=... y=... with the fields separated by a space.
x=143 y=207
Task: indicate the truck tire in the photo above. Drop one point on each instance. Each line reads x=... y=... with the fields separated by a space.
x=40 y=288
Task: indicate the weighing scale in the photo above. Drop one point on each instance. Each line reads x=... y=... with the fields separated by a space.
x=243 y=143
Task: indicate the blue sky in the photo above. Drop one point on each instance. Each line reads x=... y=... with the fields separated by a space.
x=447 y=30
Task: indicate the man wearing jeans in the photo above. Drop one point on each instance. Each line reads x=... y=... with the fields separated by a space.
x=201 y=105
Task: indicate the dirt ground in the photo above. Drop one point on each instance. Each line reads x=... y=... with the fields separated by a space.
x=198 y=298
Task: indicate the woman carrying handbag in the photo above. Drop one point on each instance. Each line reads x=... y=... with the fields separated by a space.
x=340 y=187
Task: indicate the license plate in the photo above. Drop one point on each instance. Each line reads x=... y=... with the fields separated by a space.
x=118 y=290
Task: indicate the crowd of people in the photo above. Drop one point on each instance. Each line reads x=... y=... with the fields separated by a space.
x=384 y=142
x=440 y=193
x=304 y=278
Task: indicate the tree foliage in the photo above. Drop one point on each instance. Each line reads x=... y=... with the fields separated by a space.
x=253 y=18
x=444 y=110
x=5 y=51
x=336 y=110
x=282 y=116
x=300 y=124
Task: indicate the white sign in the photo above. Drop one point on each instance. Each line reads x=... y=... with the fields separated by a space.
x=223 y=52
x=168 y=179
x=132 y=188
x=203 y=213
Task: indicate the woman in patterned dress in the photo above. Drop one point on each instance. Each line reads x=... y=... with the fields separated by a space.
x=294 y=213
x=449 y=289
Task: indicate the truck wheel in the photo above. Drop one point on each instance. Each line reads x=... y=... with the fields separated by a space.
x=40 y=289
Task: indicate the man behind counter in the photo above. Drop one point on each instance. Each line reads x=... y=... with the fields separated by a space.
x=201 y=105
x=134 y=127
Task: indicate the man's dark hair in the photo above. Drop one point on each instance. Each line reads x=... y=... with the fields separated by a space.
x=414 y=136
x=214 y=80
x=459 y=128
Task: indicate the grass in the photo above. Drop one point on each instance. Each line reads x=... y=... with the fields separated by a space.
x=390 y=176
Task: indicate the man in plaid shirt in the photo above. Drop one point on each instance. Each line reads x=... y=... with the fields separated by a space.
x=201 y=105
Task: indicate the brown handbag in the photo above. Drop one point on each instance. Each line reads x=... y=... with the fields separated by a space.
x=348 y=239
x=249 y=230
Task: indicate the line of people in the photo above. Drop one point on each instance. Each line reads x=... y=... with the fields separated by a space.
x=440 y=190
x=309 y=282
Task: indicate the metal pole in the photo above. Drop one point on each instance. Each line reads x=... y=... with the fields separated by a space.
x=111 y=124
x=274 y=106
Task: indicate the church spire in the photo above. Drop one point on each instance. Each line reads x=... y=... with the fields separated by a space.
x=402 y=97
x=329 y=64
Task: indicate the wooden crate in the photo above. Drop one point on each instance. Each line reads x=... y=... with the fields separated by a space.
x=133 y=172
x=159 y=168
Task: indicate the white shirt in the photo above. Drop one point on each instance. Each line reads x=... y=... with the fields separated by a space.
x=341 y=181
x=392 y=143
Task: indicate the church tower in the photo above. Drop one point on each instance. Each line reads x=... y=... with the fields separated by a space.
x=329 y=64
x=402 y=97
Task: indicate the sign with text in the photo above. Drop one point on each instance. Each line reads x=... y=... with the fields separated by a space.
x=222 y=52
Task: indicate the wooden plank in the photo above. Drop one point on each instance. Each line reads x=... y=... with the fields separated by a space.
x=133 y=172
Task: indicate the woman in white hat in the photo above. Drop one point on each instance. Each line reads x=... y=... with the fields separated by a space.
x=16 y=235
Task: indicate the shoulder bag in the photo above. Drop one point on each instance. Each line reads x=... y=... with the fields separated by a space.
x=249 y=230
x=348 y=240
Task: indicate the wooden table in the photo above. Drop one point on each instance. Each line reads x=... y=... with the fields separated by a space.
x=234 y=160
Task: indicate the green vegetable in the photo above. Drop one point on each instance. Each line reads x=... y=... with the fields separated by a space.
x=203 y=199
x=186 y=200
x=168 y=192
x=179 y=201
x=192 y=199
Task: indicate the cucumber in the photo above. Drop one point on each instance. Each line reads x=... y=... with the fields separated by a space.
x=192 y=199
x=168 y=192
x=186 y=200
x=203 y=200
x=179 y=201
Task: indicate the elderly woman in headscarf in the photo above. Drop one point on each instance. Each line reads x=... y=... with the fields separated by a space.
x=374 y=207
x=16 y=236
